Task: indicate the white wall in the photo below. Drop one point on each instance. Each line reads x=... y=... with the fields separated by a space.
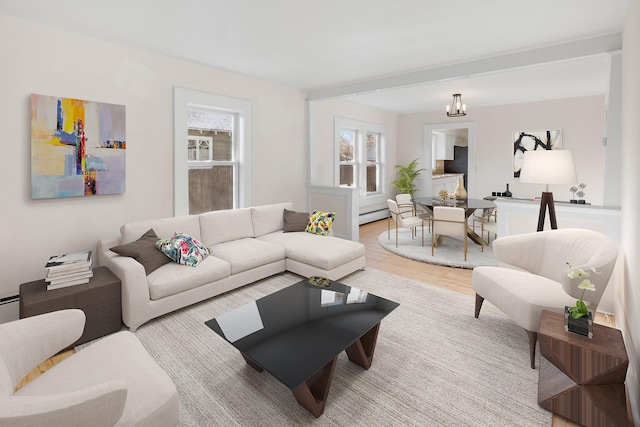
x=42 y=60
x=582 y=121
x=322 y=145
x=628 y=305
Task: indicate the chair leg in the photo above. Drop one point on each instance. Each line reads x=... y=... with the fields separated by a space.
x=533 y=339
x=422 y=228
x=465 y=243
x=479 y=301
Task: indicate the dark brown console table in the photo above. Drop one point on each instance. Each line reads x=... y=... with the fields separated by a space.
x=100 y=299
x=582 y=379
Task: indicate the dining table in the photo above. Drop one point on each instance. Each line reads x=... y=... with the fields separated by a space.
x=469 y=206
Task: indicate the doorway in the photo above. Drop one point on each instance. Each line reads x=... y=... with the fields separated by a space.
x=463 y=162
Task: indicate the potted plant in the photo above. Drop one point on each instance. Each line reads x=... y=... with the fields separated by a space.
x=578 y=318
x=406 y=176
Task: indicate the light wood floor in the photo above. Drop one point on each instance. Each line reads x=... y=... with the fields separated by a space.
x=455 y=279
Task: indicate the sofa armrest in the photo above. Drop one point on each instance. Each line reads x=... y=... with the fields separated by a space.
x=100 y=405
x=26 y=343
x=135 y=288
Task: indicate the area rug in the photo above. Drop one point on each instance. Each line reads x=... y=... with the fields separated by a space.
x=434 y=365
x=450 y=253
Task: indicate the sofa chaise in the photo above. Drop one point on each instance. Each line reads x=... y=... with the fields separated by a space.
x=245 y=245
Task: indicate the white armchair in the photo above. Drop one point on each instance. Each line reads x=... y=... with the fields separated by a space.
x=111 y=382
x=532 y=275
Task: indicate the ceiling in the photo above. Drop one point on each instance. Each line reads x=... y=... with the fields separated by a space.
x=315 y=45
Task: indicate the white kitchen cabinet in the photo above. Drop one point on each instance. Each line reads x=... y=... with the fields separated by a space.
x=442 y=146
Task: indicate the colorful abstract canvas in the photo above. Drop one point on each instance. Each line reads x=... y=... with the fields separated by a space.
x=77 y=147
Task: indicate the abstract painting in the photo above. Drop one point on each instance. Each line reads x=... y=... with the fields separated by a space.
x=77 y=147
x=533 y=140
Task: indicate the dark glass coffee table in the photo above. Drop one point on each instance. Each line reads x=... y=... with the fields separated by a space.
x=297 y=333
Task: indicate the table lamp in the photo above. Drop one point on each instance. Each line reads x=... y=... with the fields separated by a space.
x=548 y=167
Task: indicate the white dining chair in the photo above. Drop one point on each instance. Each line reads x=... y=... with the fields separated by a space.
x=487 y=221
x=402 y=220
x=451 y=222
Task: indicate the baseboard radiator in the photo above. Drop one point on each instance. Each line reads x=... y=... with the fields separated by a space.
x=365 y=218
x=9 y=308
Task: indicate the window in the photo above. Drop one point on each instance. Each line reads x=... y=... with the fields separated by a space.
x=212 y=152
x=360 y=148
x=211 y=160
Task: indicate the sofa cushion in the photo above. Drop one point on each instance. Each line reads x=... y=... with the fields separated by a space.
x=268 y=218
x=325 y=252
x=174 y=278
x=144 y=251
x=183 y=249
x=320 y=223
x=164 y=227
x=294 y=221
x=245 y=254
x=225 y=226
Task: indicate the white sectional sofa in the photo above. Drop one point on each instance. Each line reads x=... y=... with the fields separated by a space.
x=246 y=245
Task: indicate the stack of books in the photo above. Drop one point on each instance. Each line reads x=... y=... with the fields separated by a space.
x=68 y=270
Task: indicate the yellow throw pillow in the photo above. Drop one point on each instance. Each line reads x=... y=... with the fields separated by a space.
x=320 y=223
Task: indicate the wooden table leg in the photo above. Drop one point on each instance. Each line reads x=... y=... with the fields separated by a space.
x=361 y=351
x=312 y=394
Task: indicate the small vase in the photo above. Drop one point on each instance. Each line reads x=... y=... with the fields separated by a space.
x=582 y=325
x=507 y=193
x=460 y=192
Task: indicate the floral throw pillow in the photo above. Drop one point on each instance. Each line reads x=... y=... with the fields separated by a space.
x=320 y=222
x=183 y=249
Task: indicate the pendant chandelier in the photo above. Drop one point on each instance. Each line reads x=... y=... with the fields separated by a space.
x=457 y=108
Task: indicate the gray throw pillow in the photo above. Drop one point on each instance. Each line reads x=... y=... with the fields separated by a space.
x=295 y=221
x=144 y=251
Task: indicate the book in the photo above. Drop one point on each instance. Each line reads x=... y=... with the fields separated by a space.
x=69 y=262
x=76 y=270
x=68 y=277
x=51 y=287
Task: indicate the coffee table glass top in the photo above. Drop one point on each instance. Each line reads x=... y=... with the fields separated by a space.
x=294 y=332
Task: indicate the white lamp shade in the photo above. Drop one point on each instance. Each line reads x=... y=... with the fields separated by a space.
x=548 y=167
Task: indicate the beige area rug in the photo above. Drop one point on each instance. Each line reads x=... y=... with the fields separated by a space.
x=434 y=365
x=450 y=253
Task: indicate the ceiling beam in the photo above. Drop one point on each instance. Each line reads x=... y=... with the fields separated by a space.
x=561 y=52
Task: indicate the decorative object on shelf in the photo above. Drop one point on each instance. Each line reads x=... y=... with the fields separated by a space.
x=406 y=176
x=77 y=147
x=443 y=194
x=580 y=193
x=579 y=318
x=573 y=190
x=548 y=167
x=457 y=108
x=460 y=193
x=533 y=141
x=507 y=193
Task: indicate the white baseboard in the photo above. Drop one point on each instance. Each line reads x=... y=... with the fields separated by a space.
x=373 y=216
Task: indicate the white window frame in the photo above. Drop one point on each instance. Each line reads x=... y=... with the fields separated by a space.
x=360 y=155
x=185 y=100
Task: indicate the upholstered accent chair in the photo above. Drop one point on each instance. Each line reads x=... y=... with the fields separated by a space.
x=113 y=381
x=448 y=221
x=403 y=218
x=532 y=275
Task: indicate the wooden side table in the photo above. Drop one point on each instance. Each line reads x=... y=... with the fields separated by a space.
x=582 y=379
x=100 y=299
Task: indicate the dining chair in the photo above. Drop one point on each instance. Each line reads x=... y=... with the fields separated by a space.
x=487 y=221
x=405 y=200
x=448 y=221
x=402 y=220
